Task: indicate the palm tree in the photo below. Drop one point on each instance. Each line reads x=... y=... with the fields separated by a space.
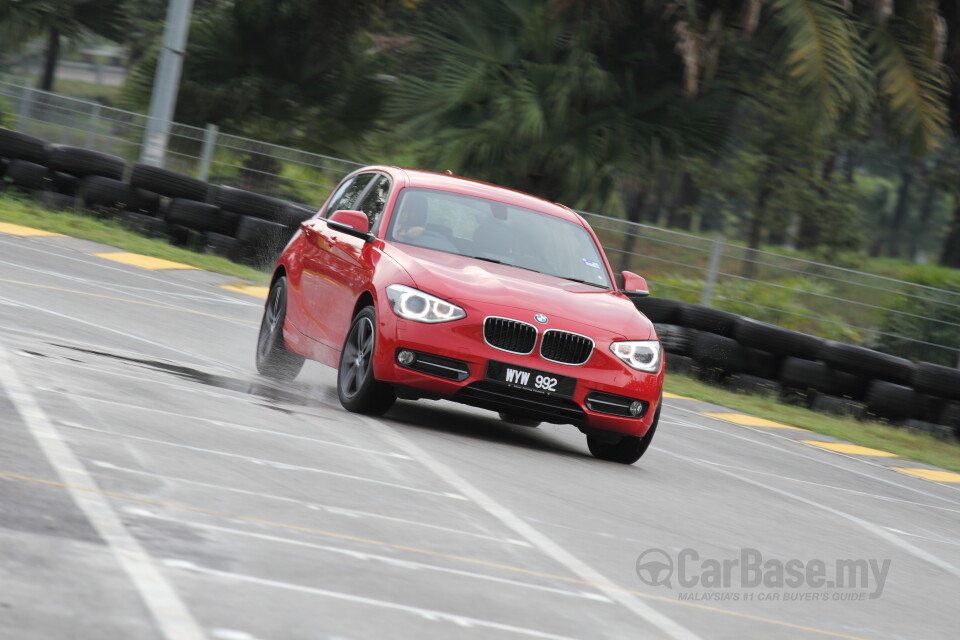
x=21 y=20
x=561 y=99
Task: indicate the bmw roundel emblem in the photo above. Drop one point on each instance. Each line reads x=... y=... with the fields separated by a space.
x=542 y=319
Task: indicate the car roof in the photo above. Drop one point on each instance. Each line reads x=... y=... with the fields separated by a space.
x=456 y=184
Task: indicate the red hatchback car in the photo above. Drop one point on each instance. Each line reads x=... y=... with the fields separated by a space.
x=422 y=285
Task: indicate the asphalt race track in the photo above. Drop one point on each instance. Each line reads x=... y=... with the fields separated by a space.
x=153 y=486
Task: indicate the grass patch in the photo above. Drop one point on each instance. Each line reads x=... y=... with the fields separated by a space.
x=110 y=232
x=907 y=443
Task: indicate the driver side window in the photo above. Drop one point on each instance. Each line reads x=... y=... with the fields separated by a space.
x=348 y=194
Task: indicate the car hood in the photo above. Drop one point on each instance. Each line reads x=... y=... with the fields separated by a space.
x=460 y=279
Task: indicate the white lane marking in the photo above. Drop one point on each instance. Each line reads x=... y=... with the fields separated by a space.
x=833 y=487
x=314 y=506
x=938 y=537
x=430 y=615
x=130 y=271
x=532 y=535
x=364 y=556
x=168 y=610
x=133 y=292
x=794 y=451
x=242 y=427
x=231 y=634
x=870 y=527
x=131 y=336
x=273 y=464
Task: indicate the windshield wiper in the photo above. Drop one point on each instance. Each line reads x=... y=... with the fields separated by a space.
x=592 y=284
x=509 y=264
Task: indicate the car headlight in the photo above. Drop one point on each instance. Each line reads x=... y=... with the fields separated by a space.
x=412 y=304
x=643 y=355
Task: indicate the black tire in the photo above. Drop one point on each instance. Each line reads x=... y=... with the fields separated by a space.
x=718 y=352
x=110 y=193
x=760 y=363
x=168 y=183
x=144 y=225
x=676 y=363
x=358 y=390
x=249 y=203
x=195 y=215
x=261 y=241
x=227 y=223
x=519 y=420
x=847 y=385
x=891 y=401
x=798 y=373
x=674 y=338
x=291 y=215
x=64 y=183
x=950 y=415
x=867 y=362
x=20 y=146
x=273 y=359
x=221 y=245
x=658 y=310
x=628 y=449
x=29 y=175
x=84 y=162
x=777 y=340
x=937 y=380
x=695 y=316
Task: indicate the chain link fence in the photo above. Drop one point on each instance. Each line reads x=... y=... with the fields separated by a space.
x=915 y=321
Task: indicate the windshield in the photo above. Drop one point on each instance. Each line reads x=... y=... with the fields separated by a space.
x=497 y=232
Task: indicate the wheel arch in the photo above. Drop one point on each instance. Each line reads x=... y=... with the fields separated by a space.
x=365 y=299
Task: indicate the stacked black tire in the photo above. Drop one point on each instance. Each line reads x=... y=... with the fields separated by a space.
x=751 y=356
x=240 y=225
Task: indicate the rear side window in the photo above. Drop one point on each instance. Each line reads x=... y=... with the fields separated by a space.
x=348 y=193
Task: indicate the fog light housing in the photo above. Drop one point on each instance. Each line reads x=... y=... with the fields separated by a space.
x=636 y=408
x=405 y=357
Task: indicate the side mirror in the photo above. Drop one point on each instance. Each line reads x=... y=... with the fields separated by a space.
x=635 y=286
x=353 y=223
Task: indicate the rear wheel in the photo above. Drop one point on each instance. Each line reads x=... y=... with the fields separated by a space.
x=273 y=359
x=628 y=449
x=358 y=390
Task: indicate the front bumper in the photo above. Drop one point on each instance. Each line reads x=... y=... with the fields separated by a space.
x=451 y=362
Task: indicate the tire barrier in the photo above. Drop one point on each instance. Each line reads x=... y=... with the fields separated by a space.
x=749 y=356
x=243 y=226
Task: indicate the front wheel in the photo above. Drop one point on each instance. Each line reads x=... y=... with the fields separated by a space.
x=273 y=359
x=628 y=449
x=358 y=390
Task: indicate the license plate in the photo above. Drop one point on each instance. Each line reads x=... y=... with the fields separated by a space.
x=531 y=379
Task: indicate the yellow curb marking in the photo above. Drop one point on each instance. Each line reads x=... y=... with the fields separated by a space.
x=854 y=449
x=146 y=262
x=673 y=396
x=750 y=421
x=25 y=232
x=249 y=289
x=930 y=474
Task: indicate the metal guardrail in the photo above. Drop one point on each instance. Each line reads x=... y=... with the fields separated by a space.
x=824 y=299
